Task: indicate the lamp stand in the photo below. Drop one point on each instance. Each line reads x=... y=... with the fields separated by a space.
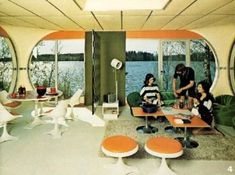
x=116 y=84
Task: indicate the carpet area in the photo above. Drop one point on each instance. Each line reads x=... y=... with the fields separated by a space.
x=211 y=147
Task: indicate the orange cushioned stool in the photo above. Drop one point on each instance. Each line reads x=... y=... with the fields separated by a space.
x=120 y=146
x=163 y=147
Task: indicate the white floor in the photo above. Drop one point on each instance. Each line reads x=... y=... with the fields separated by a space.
x=76 y=152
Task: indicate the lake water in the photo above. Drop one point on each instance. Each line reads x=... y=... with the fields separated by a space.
x=135 y=73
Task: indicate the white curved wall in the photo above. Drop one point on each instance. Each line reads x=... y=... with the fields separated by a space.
x=24 y=40
x=221 y=38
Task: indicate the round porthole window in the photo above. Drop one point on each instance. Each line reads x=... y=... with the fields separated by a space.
x=232 y=69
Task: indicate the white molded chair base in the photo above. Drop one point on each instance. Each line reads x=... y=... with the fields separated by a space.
x=62 y=122
x=6 y=136
x=120 y=168
x=56 y=132
x=72 y=116
x=36 y=121
x=163 y=169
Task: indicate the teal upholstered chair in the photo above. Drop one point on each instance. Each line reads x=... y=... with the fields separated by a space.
x=134 y=100
x=168 y=98
x=224 y=110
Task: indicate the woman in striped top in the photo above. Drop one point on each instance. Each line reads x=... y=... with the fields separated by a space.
x=150 y=91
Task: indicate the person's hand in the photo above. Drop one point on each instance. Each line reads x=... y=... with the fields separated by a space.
x=195 y=101
x=178 y=91
x=149 y=101
x=175 y=94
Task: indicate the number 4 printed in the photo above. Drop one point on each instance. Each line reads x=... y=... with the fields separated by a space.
x=230 y=169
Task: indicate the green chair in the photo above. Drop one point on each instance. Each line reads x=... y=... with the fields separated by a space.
x=168 y=98
x=134 y=100
x=224 y=110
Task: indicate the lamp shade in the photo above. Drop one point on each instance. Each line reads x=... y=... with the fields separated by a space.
x=115 y=63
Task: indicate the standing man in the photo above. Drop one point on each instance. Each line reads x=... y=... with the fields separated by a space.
x=187 y=83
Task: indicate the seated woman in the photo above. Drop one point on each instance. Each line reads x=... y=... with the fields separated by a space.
x=150 y=92
x=203 y=103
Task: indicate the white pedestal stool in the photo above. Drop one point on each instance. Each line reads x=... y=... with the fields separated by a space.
x=163 y=147
x=120 y=146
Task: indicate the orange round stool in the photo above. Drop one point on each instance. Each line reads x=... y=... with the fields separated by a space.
x=164 y=147
x=120 y=146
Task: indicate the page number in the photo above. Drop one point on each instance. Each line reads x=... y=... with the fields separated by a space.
x=230 y=169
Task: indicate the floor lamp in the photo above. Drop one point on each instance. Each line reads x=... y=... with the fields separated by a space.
x=116 y=64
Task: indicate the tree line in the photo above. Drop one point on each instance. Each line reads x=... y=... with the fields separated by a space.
x=146 y=56
x=130 y=56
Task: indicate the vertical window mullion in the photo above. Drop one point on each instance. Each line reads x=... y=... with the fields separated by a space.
x=56 y=64
x=187 y=54
x=160 y=64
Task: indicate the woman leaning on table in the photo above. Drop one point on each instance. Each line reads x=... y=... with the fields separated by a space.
x=203 y=102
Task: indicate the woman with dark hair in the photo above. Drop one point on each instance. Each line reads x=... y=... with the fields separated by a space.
x=203 y=102
x=150 y=91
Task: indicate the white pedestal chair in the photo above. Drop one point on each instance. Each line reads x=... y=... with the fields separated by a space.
x=57 y=116
x=72 y=102
x=8 y=104
x=6 y=117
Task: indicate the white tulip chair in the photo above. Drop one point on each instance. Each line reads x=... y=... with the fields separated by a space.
x=57 y=116
x=6 y=117
x=72 y=102
x=8 y=104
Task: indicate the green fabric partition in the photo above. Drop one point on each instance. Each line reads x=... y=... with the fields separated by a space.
x=112 y=45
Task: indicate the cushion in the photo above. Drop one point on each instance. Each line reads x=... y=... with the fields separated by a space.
x=223 y=114
x=233 y=122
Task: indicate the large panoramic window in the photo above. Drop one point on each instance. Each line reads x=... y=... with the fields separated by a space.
x=6 y=64
x=160 y=58
x=141 y=58
x=202 y=61
x=58 y=63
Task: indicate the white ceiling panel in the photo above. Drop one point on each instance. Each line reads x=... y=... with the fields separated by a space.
x=179 y=21
x=69 y=7
x=227 y=20
x=174 y=7
x=110 y=22
x=40 y=7
x=228 y=9
x=205 y=21
x=88 y=22
x=157 y=22
x=67 y=15
x=12 y=9
x=81 y=3
x=16 y=22
x=204 y=6
x=41 y=22
x=63 y=21
x=133 y=22
x=136 y=12
x=2 y=14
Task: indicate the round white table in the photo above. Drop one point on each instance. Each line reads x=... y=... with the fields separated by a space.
x=33 y=96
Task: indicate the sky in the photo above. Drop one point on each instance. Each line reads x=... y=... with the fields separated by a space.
x=149 y=45
x=65 y=46
x=78 y=46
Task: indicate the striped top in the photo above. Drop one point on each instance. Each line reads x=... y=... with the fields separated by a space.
x=149 y=91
